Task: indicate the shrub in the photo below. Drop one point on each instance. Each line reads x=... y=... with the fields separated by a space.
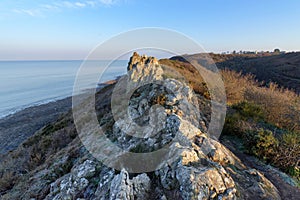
x=294 y=171
x=249 y=110
x=261 y=143
x=281 y=106
x=236 y=85
x=288 y=153
x=231 y=125
x=255 y=110
x=240 y=119
x=7 y=180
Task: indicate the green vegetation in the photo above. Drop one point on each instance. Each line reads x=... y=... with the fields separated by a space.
x=247 y=109
x=261 y=143
x=267 y=120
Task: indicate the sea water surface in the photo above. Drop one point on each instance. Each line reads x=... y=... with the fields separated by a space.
x=27 y=83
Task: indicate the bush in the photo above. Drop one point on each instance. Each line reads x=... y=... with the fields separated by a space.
x=249 y=110
x=284 y=154
x=257 y=112
x=294 y=172
x=241 y=118
x=236 y=85
x=288 y=153
x=281 y=106
x=7 y=180
x=231 y=125
x=261 y=143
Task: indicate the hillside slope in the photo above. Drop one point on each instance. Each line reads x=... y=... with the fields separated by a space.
x=54 y=163
x=283 y=69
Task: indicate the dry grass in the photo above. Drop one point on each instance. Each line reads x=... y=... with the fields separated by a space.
x=185 y=72
x=236 y=85
x=43 y=149
x=281 y=107
x=267 y=118
x=35 y=151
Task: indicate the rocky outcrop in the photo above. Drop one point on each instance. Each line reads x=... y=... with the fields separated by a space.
x=122 y=187
x=72 y=184
x=197 y=166
x=137 y=60
x=158 y=113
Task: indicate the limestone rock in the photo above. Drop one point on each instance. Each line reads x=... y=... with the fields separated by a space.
x=136 y=60
x=86 y=169
x=70 y=185
x=123 y=188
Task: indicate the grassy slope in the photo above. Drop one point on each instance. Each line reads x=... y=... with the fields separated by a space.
x=283 y=69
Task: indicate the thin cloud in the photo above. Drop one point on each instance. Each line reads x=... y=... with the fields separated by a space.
x=108 y=2
x=40 y=10
x=91 y=3
x=49 y=7
x=79 y=4
x=30 y=12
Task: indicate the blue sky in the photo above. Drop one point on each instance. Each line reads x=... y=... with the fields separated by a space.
x=40 y=29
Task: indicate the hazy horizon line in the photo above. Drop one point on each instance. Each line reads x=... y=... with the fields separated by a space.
x=110 y=59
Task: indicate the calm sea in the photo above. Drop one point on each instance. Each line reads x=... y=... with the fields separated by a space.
x=27 y=83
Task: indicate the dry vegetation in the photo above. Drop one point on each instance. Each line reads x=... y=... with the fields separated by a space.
x=47 y=149
x=281 y=107
x=280 y=68
x=35 y=151
x=267 y=118
x=184 y=71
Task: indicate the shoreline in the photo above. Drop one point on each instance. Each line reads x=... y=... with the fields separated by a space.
x=17 y=127
x=31 y=105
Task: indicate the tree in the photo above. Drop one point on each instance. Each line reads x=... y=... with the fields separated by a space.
x=276 y=50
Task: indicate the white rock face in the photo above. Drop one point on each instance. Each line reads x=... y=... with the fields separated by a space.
x=70 y=185
x=124 y=188
x=87 y=169
x=180 y=115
